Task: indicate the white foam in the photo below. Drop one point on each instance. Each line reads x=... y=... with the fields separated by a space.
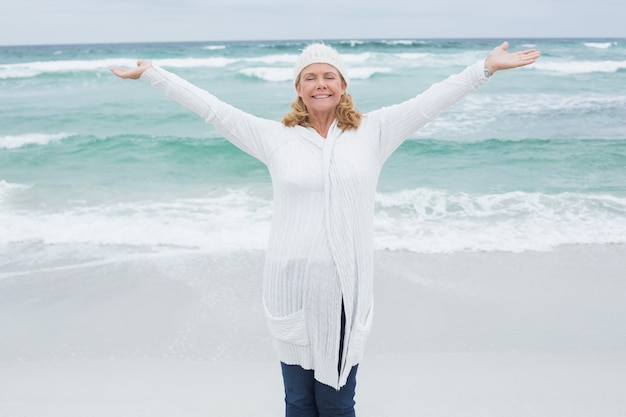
x=598 y=45
x=32 y=69
x=436 y=221
x=214 y=47
x=214 y=62
x=420 y=220
x=272 y=74
x=539 y=104
x=353 y=43
x=363 y=73
x=278 y=74
x=355 y=59
x=413 y=56
x=273 y=59
x=7 y=188
x=429 y=59
x=579 y=67
x=223 y=219
x=404 y=42
x=17 y=141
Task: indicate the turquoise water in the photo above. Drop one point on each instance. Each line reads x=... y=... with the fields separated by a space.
x=93 y=165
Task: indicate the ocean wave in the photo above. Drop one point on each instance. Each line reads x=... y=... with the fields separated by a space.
x=599 y=45
x=419 y=220
x=273 y=59
x=272 y=74
x=360 y=66
x=364 y=73
x=508 y=104
x=438 y=221
x=221 y=62
x=221 y=220
x=579 y=67
x=12 y=142
x=214 y=47
x=213 y=62
x=435 y=60
x=354 y=62
x=404 y=42
x=354 y=43
x=33 y=69
x=7 y=188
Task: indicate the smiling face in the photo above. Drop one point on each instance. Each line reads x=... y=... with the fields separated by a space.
x=320 y=86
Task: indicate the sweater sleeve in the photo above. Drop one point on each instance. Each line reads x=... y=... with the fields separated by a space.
x=399 y=121
x=249 y=133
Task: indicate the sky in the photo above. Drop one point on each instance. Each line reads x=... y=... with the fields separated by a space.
x=34 y=22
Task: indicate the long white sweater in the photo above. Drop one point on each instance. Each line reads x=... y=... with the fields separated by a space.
x=320 y=249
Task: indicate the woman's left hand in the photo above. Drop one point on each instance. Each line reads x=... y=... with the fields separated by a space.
x=133 y=73
x=500 y=59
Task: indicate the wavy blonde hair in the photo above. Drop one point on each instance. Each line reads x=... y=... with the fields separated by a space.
x=348 y=117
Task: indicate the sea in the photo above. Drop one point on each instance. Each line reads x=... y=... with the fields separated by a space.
x=95 y=169
x=132 y=234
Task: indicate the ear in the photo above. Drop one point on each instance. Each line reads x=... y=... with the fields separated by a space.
x=298 y=89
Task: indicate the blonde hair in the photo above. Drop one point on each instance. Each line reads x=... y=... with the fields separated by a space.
x=348 y=117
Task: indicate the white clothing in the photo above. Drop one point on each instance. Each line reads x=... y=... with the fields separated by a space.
x=320 y=249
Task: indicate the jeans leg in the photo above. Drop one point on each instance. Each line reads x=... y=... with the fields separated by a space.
x=333 y=403
x=299 y=391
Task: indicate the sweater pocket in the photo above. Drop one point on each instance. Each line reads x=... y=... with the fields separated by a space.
x=290 y=328
x=361 y=333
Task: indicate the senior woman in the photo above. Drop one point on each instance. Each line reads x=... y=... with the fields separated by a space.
x=324 y=160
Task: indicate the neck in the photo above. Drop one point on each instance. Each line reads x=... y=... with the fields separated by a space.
x=322 y=123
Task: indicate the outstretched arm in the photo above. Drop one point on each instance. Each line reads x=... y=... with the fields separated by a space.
x=132 y=73
x=500 y=59
x=253 y=135
x=400 y=121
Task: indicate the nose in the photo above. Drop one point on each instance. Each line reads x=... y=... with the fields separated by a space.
x=321 y=83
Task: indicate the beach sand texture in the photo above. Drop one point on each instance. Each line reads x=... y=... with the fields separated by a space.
x=465 y=334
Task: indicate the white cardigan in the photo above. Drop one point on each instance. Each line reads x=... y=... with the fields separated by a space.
x=320 y=248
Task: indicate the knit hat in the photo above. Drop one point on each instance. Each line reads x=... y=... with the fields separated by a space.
x=319 y=53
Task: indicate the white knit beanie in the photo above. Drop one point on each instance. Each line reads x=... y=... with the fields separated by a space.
x=319 y=53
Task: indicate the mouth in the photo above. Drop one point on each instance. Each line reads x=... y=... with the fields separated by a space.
x=322 y=96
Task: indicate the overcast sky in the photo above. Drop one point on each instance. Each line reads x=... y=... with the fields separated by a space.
x=102 y=21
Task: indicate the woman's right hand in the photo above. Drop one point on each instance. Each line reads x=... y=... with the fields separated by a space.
x=132 y=73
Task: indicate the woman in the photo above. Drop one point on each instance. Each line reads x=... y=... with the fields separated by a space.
x=324 y=160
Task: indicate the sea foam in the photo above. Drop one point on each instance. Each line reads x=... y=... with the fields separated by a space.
x=33 y=69
x=7 y=188
x=422 y=220
x=271 y=74
x=438 y=221
x=598 y=45
x=17 y=141
x=579 y=67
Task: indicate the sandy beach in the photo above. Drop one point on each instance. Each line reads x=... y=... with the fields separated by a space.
x=465 y=334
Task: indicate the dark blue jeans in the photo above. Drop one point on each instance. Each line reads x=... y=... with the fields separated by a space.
x=306 y=397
